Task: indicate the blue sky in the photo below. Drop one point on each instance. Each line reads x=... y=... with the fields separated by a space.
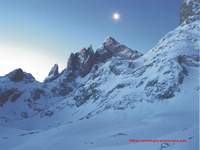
x=51 y=29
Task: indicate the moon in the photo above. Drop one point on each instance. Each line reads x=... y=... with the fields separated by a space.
x=116 y=16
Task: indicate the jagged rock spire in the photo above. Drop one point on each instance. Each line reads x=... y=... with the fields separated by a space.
x=81 y=62
x=53 y=74
x=190 y=11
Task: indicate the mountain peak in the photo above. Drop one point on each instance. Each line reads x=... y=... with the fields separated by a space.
x=18 y=75
x=112 y=48
x=110 y=41
x=190 y=11
x=53 y=74
x=81 y=62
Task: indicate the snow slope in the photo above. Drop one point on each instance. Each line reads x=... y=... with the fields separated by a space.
x=168 y=120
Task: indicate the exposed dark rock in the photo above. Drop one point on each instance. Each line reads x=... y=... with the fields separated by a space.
x=160 y=90
x=138 y=72
x=24 y=115
x=192 y=61
x=190 y=11
x=112 y=48
x=167 y=93
x=120 y=86
x=53 y=74
x=114 y=69
x=152 y=83
x=48 y=113
x=18 y=75
x=10 y=94
x=37 y=93
x=102 y=55
x=180 y=77
x=61 y=90
x=87 y=62
x=81 y=62
x=67 y=76
x=16 y=94
x=141 y=82
x=82 y=98
x=73 y=62
x=85 y=94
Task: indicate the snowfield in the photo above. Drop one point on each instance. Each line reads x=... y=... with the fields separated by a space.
x=176 y=118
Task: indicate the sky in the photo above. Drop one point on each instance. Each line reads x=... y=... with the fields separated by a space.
x=35 y=34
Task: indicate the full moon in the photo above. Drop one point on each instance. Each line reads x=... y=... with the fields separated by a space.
x=116 y=16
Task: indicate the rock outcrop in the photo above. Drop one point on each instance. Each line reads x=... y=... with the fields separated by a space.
x=81 y=63
x=19 y=75
x=190 y=11
x=112 y=48
x=53 y=74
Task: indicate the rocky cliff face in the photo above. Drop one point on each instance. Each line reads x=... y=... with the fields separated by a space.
x=53 y=74
x=19 y=75
x=112 y=48
x=190 y=11
x=81 y=63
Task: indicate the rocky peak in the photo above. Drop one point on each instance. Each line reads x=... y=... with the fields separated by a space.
x=53 y=74
x=19 y=75
x=82 y=61
x=113 y=48
x=190 y=11
x=85 y=54
x=110 y=41
x=73 y=62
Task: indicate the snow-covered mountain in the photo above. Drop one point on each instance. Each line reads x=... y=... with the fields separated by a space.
x=134 y=95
